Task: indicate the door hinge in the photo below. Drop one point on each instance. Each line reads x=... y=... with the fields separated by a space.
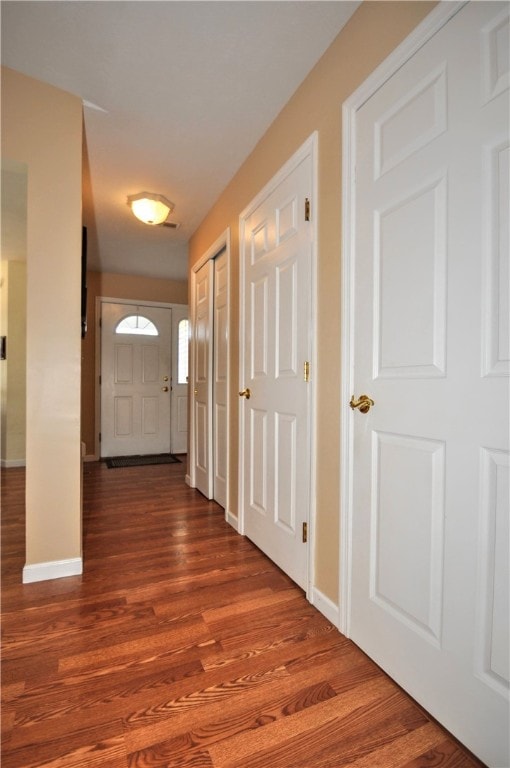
x=305 y=533
x=306 y=371
x=100 y=322
x=100 y=381
x=100 y=437
x=307 y=209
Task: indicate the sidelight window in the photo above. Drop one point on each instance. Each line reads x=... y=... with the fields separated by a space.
x=182 y=352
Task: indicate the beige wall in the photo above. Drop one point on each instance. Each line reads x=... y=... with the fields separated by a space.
x=42 y=127
x=372 y=33
x=13 y=373
x=116 y=286
x=4 y=298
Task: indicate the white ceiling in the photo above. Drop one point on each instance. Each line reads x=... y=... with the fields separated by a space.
x=176 y=96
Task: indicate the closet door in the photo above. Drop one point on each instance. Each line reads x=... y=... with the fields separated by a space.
x=220 y=380
x=202 y=378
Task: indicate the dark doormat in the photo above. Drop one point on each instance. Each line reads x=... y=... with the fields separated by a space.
x=139 y=461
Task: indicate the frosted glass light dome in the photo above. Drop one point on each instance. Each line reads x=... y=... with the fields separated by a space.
x=150 y=207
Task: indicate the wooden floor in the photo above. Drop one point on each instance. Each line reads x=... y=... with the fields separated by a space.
x=182 y=645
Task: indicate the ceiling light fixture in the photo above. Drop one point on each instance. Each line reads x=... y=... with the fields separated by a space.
x=150 y=207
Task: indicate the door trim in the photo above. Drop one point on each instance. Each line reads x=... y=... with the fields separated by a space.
x=436 y=19
x=221 y=244
x=308 y=149
x=97 y=363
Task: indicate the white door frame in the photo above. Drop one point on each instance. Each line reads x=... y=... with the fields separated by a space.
x=308 y=149
x=438 y=17
x=111 y=300
x=221 y=244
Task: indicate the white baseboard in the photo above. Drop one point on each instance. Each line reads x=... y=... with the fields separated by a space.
x=8 y=463
x=56 y=569
x=327 y=607
x=187 y=480
x=232 y=520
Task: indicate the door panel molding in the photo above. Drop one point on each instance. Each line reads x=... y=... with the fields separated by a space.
x=219 y=245
x=202 y=315
x=220 y=383
x=438 y=17
x=135 y=407
x=264 y=238
x=458 y=561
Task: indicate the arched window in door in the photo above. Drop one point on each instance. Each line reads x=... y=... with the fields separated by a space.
x=137 y=324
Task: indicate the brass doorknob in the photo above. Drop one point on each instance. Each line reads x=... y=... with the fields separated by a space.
x=363 y=403
x=164 y=389
x=245 y=393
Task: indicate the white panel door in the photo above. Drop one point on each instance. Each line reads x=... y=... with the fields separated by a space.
x=430 y=579
x=276 y=255
x=179 y=386
x=135 y=382
x=220 y=382
x=202 y=383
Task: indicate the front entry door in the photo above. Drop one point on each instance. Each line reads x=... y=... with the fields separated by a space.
x=277 y=240
x=135 y=379
x=430 y=538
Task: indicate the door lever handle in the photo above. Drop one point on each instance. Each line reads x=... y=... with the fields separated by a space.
x=363 y=403
x=245 y=393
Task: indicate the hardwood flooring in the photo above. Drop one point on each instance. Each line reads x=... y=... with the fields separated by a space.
x=183 y=646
